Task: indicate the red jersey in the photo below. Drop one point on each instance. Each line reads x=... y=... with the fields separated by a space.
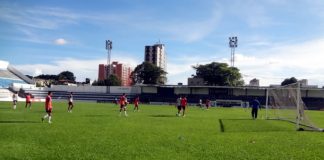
x=207 y=102
x=28 y=98
x=136 y=101
x=48 y=102
x=183 y=101
x=122 y=100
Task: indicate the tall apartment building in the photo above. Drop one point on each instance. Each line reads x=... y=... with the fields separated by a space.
x=156 y=54
x=122 y=71
x=102 y=74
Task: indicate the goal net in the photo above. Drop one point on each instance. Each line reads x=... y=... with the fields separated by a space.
x=285 y=103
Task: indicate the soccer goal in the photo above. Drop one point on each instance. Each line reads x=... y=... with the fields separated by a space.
x=285 y=103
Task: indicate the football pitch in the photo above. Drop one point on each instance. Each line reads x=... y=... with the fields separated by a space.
x=96 y=131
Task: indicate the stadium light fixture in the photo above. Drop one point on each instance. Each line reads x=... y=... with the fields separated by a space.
x=108 y=48
x=232 y=45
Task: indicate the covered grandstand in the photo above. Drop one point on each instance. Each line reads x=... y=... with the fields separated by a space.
x=10 y=76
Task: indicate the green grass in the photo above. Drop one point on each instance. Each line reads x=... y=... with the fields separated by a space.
x=95 y=131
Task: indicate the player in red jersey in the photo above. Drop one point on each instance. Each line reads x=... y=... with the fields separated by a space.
x=48 y=107
x=183 y=105
x=123 y=102
x=136 y=102
x=28 y=100
x=207 y=103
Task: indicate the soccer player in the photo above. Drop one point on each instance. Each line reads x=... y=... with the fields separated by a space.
x=14 y=100
x=255 y=107
x=207 y=104
x=70 y=107
x=200 y=103
x=28 y=100
x=48 y=107
x=116 y=101
x=123 y=102
x=178 y=104
x=183 y=105
x=136 y=102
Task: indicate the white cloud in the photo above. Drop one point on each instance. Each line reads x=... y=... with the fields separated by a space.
x=37 y=17
x=191 y=31
x=38 y=71
x=60 y=41
x=81 y=68
x=271 y=66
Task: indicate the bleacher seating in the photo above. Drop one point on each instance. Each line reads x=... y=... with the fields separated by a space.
x=5 y=93
x=7 y=78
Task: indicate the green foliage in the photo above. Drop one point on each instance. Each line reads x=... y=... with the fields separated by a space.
x=148 y=73
x=289 y=81
x=67 y=76
x=47 y=77
x=112 y=80
x=96 y=131
x=54 y=79
x=219 y=74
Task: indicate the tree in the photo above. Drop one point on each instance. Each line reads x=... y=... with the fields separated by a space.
x=148 y=73
x=48 y=77
x=112 y=80
x=66 y=75
x=219 y=74
x=289 y=81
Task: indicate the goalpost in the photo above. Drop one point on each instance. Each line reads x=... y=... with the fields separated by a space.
x=285 y=103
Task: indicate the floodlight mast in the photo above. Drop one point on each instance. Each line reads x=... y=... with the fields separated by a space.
x=108 y=48
x=232 y=45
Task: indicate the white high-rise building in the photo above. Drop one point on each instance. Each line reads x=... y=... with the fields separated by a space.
x=255 y=82
x=156 y=55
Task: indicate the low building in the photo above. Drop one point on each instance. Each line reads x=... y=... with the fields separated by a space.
x=196 y=82
x=254 y=82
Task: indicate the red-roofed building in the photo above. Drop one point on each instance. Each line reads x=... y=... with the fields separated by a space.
x=122 y=71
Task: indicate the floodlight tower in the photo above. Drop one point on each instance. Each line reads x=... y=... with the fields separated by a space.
x=108 y=48
x=232 y=45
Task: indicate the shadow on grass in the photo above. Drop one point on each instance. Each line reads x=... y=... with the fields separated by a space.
x=6 y=108
x=160 y=115
x=251 y=125
x=20 y=121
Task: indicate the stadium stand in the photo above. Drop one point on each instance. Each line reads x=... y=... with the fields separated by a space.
x=5 y=93
x=83 y=96
x=7 y=78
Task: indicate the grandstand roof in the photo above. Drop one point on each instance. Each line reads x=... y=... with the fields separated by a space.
x=9 y=75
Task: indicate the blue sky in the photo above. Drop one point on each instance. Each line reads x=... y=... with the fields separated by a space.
x=277 y=38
